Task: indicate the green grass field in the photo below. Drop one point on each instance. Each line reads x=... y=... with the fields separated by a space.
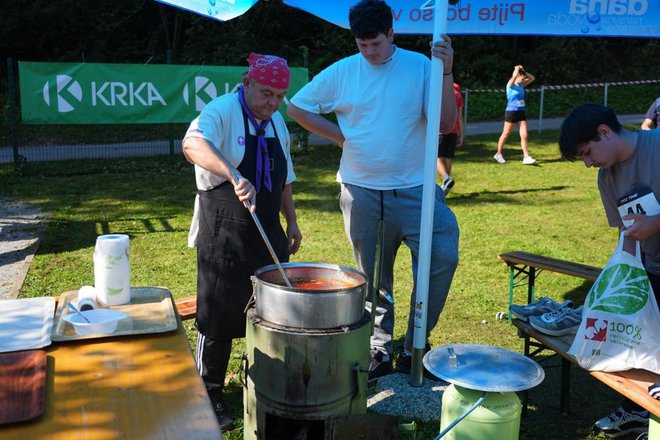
x=552 y=208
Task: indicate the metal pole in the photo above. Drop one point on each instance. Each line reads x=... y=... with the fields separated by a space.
x=428 y=197
x=11 y=85
x=541 y=108
x=605 y=97
x=170 y=128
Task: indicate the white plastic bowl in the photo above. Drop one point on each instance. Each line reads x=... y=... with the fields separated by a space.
x=101 y=321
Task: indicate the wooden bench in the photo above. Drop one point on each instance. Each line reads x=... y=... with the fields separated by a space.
x=632 y=384
x=187 y=307
x=525 y=267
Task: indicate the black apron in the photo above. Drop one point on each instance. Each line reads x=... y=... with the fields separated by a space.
x=230 y=248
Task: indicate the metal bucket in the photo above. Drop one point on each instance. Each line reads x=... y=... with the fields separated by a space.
x=337 y=300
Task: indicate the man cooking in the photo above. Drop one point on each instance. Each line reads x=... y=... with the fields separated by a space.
x=380 y=99
x=240 y=147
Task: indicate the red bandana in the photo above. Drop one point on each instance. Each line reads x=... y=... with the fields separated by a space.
x=269 y=70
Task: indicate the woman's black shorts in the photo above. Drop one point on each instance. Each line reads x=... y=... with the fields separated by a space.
x=515 y=116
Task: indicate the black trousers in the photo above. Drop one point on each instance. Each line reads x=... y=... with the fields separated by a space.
x=212 y=360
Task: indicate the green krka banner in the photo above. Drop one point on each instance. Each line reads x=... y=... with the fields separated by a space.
x=72 y=93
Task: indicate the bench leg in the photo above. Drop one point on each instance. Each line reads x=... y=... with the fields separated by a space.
x=565 y=386
x=525 y=393
x=514 y=272
x=530 y=285
x=511 y=280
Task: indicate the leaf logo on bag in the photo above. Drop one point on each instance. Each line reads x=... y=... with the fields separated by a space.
x=627 y=290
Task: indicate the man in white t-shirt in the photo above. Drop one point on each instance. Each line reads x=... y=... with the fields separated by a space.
x=380 y=99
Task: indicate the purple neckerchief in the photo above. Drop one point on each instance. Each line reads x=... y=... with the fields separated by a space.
x=263 y=162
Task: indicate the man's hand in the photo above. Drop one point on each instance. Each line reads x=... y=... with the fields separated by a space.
x=295 y=237
x=644 y=227
x=245 y=192
x=442 y=49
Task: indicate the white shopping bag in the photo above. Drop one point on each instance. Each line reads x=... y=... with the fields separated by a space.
x=620 y=326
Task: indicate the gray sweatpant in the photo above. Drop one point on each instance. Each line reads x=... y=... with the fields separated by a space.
x=401 y=213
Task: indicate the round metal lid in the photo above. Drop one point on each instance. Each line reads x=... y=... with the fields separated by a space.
x=484 y=367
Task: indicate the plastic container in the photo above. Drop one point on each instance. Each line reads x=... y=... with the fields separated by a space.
x=102 y=321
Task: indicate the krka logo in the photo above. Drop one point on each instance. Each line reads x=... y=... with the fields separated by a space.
x=204 y=93
x=67 y=92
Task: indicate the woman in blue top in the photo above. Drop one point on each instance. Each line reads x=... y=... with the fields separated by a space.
x=515 y=113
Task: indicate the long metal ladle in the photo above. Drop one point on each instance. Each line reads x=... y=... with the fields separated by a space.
x=236 y=176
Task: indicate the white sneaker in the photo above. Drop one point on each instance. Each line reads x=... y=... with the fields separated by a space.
x=528 y=160
x=447 y=184
x=499 y=158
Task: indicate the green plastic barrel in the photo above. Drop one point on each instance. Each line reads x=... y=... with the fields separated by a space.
x=498 y=416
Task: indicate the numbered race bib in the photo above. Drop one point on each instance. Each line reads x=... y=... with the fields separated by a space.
x=641 y=201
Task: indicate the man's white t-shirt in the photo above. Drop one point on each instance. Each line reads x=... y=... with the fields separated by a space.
x=221 y=123
x=381 y=111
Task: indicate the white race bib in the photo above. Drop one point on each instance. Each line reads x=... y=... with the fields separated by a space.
x=641 y=201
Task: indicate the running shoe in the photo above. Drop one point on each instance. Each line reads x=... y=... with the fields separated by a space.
x=528 y=160
x=622 y=422
x=499 y=158
x=538 y=307
x=562 y=321
x=447 y=184
x=380 y=364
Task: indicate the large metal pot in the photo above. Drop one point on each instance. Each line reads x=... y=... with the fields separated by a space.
x=338 y=301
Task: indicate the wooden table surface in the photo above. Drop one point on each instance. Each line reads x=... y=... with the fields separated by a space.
x=130 y=387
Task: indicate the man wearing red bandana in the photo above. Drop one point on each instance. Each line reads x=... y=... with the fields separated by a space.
x=240 y=147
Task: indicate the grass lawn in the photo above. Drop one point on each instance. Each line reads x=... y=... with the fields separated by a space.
x=552 y=208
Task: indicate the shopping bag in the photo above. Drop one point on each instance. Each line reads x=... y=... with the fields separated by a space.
x=620 y=326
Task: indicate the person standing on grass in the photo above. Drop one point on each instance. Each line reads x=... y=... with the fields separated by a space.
x=628 y=163
x=448 y=143
x=240 y=147
x=652 y=116
x=380 y=99
x=515 y=114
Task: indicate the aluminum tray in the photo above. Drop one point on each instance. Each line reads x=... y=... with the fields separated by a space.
x=151 y=310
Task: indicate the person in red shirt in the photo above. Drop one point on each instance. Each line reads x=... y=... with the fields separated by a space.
x=449 y=142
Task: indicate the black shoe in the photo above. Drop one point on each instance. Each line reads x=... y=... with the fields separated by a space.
x=225 y=420
x=404 y=363
x=378 y=367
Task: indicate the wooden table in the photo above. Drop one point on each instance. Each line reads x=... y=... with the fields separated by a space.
x=130 y=387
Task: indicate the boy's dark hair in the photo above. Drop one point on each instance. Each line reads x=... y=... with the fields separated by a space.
x=369 y=18
x=581 y=126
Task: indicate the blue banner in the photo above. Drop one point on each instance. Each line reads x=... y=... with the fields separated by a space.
x=595 y=18
x=221 y=10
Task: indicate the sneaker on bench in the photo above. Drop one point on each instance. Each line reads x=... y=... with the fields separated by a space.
x=562 y=321
x=622 y=422
x=538 y=307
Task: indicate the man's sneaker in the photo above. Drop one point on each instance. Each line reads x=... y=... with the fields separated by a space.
x=528 y=160
x=404 y=359
x=447 y=184
x=622 y=422
x=562 y=321
x=225 y=420
x=404 y=363
x=538 y=307
x=499 y=158
x=379 y=365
